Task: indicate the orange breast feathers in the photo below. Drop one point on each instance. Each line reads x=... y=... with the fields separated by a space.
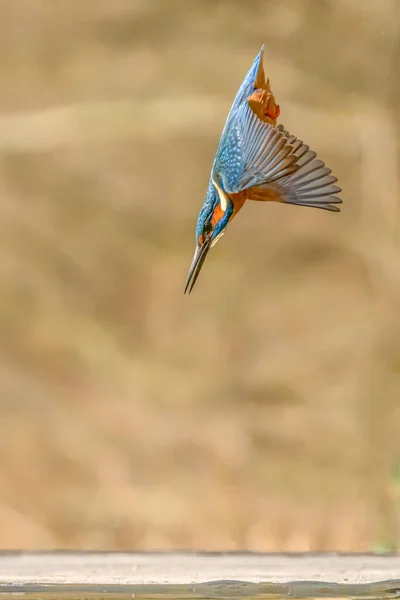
x=237 y=200
x=217 y=215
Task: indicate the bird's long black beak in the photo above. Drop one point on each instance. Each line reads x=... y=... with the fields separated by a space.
x=197 y=262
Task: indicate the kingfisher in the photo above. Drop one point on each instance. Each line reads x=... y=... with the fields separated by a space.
x=258 y=159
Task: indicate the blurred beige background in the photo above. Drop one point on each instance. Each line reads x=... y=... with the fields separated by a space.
x=262 y=412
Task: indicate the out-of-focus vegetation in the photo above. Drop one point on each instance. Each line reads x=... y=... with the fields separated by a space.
x=263 y=411
x=391 y=541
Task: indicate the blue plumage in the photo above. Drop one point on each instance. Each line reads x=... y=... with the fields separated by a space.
x=207 y=209
x=251 y=152
x=259 y=160
x=228 y=164
x=246 y=88
x=230 y=153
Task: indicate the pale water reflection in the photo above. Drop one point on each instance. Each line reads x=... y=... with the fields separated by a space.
x=212 y=590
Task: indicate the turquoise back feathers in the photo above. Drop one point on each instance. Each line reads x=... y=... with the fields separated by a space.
x=258 y=159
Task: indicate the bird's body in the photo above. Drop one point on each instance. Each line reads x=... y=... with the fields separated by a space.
x=257 y=160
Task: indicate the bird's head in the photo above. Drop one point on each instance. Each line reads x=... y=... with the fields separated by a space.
x=213 y=218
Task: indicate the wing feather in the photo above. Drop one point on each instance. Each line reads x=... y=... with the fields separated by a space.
x=252 y=152
x=313 y=183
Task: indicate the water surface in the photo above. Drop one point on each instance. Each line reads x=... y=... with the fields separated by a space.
x=212 y=590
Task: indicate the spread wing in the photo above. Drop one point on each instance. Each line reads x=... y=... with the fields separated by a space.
x=311 y=185
x=252 y=153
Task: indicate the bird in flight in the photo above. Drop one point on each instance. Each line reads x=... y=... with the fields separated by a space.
x=258 y=160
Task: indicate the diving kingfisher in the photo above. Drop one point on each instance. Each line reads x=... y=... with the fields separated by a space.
x=258 y=160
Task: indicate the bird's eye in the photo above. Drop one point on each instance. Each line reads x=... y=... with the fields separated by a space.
x=207 y=228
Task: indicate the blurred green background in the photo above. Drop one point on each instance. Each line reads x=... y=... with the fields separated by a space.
x=262 y=412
